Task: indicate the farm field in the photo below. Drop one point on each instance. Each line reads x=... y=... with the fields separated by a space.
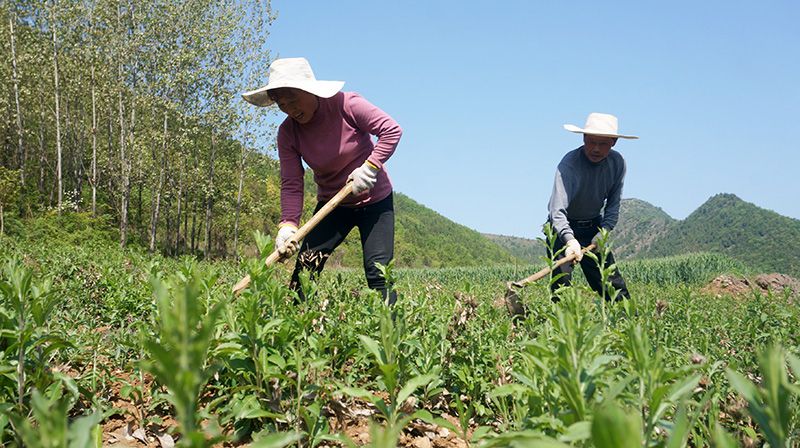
x=112 y=347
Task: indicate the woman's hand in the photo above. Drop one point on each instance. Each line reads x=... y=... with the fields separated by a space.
x=284 y=243
x=364 y=178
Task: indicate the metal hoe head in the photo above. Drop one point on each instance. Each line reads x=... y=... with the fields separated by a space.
x=516 y=309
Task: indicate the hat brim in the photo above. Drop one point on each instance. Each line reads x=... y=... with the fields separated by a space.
x=324 y=89
x=577 y=130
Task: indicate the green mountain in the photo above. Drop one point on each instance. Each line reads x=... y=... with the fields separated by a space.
x=640 y=225
x=526 y=249
x=761 y=238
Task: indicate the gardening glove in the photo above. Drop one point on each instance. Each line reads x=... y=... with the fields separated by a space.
x=283 y=242
x=364 y=178
x=574 y=247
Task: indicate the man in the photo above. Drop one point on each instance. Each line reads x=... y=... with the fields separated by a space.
x=586 y=197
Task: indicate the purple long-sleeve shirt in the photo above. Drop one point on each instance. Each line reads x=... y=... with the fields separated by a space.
x=336 y=141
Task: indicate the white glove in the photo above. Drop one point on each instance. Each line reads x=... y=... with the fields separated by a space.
x=574 y=247
x=283 y=242
x=364 y=178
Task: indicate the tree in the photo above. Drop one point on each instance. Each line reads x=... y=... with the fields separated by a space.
x=138 y=115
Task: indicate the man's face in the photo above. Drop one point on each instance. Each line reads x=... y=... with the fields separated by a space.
x=597 y=148
x=296 y=103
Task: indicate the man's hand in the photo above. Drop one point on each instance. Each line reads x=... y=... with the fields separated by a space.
x=364 y=178
x=283 y=242
x=574 y=247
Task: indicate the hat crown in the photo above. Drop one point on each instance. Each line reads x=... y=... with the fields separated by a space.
x=601 y=123
x=293 y=73
x=282 y=71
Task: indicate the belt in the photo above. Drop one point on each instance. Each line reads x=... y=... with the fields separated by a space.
x=585 y=223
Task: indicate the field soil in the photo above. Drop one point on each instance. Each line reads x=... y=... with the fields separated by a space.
x=741 y=286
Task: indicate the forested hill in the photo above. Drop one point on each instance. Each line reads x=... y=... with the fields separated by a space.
x=763 y=239
x=526 y=249
x=640 y=225
x=426 y=238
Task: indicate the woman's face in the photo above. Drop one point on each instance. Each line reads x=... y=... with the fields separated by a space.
x=296 y=103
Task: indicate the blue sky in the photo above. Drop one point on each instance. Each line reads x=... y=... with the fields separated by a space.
x=482 y=90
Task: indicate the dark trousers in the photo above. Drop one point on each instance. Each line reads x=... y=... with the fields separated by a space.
x=584 y=232
x=375 y=223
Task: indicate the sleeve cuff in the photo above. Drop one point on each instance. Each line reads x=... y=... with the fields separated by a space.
x=375 y=165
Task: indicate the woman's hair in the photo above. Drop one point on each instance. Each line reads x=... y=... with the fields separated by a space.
x=276 y=94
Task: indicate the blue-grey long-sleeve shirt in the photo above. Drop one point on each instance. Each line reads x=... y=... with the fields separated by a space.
x=582 y=188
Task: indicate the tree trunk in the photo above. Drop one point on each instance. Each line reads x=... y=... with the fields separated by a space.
x=239 y=196
x=193 y=246
x=132 y=123
x=125 y=187
x=154 y=220
x=210 y=198
x=194 y=225
x=42 y=153
x=93 y=180
x=123 y=211
x=81 y=166
x=94 y=146
x=180 y=202
x=15 y=75
x=58 y=112
x=168 y=248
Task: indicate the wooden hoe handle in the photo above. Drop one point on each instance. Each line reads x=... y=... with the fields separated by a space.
x=547 y=270
x=302 y=231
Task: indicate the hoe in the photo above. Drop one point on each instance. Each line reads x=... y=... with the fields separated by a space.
x=302 y=231
x=515 y=307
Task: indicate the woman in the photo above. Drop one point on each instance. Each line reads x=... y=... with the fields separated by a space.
x=331 y=132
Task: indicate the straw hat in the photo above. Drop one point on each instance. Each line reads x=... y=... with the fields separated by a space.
x=292 y=72
x=604 y=125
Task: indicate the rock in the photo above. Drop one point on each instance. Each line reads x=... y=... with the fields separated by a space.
x=166 y=441
x=422 y=442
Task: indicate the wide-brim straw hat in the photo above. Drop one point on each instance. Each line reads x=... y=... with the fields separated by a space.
x=295 y=73
x=603 y=125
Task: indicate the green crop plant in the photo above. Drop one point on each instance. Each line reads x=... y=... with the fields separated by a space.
x=564 y=371
x=28 y=344
x=773 y=404
x=393 y=377
x=51 y=425
x=658 y=389
x=178 y=350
